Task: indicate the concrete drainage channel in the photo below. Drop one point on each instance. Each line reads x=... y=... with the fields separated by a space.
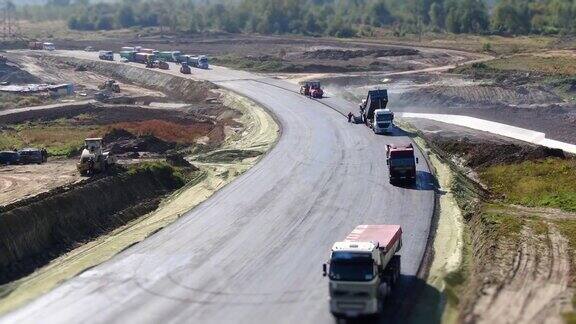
x=48 y=244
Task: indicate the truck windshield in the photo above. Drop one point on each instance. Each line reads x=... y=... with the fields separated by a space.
x=346 y=266
x=399 y=162
x=384 y=117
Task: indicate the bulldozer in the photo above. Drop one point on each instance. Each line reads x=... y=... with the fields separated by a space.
x=93 y=160
x=110 y=85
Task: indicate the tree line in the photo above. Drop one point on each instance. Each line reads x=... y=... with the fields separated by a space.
x=340 y=18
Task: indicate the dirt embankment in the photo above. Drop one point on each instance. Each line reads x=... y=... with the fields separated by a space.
x=33 y=233
x=517 y=265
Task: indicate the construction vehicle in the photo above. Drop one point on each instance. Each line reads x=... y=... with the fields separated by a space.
x=376 y=100
x=363 y=269
x=131 y=49
x=161 y=65
x=130 y=56
x=401 y=163
x=106 y=55
x=383 y=121
x=185 y=68
x=149 y=51
x=36 y=45
x=93 y=160
x=144 y=58
x=110 y=85
x=48 y=47
x=312 y=89
x=170 y=56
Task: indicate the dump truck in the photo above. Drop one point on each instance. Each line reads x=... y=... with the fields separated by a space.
x=363 y=269
x=106 y=55
x=128 y=55
x=131 y=49
x=401 y=163
x=376 y=100
x=93 y=160
x=170 y=56
x=200 y=62
x=383 y=121
x=36 y=45
x=149 y=51
x=48 y=47
x=144 y=58
x=185 y=68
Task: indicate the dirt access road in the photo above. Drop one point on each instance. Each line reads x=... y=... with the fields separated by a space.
x=255 y=248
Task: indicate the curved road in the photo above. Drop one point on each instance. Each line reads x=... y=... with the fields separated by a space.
x=253 y=252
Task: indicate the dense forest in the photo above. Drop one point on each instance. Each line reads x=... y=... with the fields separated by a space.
x=341 y=18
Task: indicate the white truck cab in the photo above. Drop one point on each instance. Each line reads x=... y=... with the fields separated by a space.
x=383 y=121
x=48 y=46
x=362 y=270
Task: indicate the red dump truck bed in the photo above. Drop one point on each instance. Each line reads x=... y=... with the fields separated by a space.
x=385 y=235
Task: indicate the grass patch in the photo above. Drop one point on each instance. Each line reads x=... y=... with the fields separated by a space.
x=165 y=130
x=58 y=140
x=12 y=101
x=556 y=65
x=257 y=64
x=547 y=183
x=502 y=225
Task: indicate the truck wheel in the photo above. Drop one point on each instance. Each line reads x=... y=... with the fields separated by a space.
x=395 y=265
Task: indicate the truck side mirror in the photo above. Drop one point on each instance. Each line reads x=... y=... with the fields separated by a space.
x=416 y=160
x=388 y=162
x=324 y=270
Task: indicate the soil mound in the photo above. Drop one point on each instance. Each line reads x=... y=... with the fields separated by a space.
x=344 y=55
x=13 y=74
x=120 y=141
x=479 y=155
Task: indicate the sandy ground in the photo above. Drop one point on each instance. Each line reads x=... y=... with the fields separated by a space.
x=535 y=289
x=22 y=181
x=260 y=133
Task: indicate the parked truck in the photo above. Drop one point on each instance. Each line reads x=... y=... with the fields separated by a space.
x=170 y=56
x=200 y=62
x=144 y=58
x=130 y=56
x=106 y=55
x=48 y=46
x=363 y=269
x=36 y=45
x=375 y=104
x=131 y=49
x=401 y=163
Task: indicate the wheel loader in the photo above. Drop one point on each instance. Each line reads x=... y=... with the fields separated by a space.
x=93 y=160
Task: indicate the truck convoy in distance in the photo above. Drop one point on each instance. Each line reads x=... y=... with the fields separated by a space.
x=401 y=163
x=106 y=55
x=374 y=112
x=363 y=269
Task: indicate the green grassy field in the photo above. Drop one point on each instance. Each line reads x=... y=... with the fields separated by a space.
x=548 y=183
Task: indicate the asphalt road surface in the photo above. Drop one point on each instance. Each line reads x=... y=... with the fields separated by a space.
x=253 y=252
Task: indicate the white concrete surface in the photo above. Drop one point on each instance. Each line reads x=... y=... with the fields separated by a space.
x=518 y=133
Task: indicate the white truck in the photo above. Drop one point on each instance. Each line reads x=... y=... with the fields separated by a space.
x=48 y=46
x=363 y=269
x=383 y=121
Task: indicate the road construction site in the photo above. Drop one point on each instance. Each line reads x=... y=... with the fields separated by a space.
x=255 y=247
